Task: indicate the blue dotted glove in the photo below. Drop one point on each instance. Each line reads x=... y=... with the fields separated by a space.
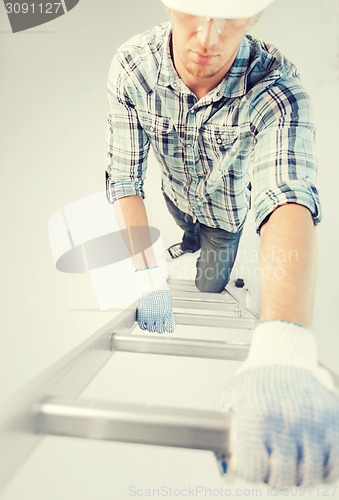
x=285 y=426
x=155 y=312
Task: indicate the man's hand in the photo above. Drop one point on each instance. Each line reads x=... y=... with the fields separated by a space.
x=285 y=411
x=155 y=312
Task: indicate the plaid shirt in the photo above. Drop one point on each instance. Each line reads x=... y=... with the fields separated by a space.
x=251 y=137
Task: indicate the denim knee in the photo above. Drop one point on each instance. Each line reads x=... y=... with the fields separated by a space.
x=212 y=279
x=210 y=286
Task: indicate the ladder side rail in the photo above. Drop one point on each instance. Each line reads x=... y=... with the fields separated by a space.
x=67 y=377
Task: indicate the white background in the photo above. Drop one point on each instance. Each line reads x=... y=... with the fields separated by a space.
x=54 y=110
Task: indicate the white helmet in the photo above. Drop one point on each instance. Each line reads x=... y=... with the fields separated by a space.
x=228 y=9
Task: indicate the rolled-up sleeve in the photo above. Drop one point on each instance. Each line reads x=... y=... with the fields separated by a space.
x=284 y=161
x=127 y=144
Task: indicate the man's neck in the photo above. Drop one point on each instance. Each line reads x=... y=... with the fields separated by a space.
x=199 y=86
x=201 y=91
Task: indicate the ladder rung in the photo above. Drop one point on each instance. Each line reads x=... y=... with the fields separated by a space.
x=191 y=288
x=180 y=347
x=132 y=423
x=194 y=319
x=207 y=306
x=195 y=295
x=174 y=281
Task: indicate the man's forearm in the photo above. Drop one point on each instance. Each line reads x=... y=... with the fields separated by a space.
x=131 y=215
x=131 y=211
x=287 y=265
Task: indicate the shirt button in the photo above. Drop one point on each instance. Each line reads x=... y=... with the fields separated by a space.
x=175 y=85
x=151 y=129
x=217 y=94
x=219 y=141
x=190 y=146
x=192 y=111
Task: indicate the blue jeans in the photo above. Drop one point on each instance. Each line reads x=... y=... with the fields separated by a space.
x=218 y=250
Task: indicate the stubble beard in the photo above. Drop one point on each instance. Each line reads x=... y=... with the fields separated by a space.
x=197 y=72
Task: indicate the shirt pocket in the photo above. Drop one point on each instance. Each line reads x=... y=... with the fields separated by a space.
x=161 y=134
x=224 y=149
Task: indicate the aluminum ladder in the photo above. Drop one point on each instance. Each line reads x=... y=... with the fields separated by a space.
x=50 y=405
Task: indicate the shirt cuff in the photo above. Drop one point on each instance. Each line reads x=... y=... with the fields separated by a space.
x=301 y=192
x=121 y=189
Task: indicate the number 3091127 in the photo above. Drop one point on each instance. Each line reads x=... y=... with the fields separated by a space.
x=32 y=8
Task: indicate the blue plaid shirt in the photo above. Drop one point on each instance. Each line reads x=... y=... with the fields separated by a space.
x=251 y=138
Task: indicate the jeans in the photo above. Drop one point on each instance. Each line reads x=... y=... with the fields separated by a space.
x=218 y=250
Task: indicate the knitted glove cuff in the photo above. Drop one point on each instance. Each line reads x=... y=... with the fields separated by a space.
x=278 y=342
x=281 y=342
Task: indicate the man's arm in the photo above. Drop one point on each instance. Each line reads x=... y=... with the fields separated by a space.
x=127 y=145
x=131 y=215
x=132 y=209
x=287 y=265
x=155 y=305
x=285 y=409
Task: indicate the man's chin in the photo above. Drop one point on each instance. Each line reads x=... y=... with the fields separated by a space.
x=201 y=72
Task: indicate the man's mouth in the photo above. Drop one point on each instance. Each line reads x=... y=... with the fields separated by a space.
x=203 y=58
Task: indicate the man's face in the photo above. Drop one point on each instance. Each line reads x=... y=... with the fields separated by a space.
x=205 y=48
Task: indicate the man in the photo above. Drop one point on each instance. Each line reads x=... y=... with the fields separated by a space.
x=228 y=120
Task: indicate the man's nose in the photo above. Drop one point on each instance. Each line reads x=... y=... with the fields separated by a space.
x=208 y=35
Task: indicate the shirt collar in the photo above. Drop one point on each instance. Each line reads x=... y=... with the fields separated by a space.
x=235 y=82
x=233 y=85
x=166 y=72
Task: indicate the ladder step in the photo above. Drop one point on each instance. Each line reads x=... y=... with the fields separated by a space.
x=133 y=423
x=180 y=347
x=195 y=295
x=207 y=306
x=222 y=296
x=174 y=281
x=185 y=318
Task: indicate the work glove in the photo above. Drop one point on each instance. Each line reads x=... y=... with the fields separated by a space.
x=155 y=312
x=285 y=411
x=155 y=306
